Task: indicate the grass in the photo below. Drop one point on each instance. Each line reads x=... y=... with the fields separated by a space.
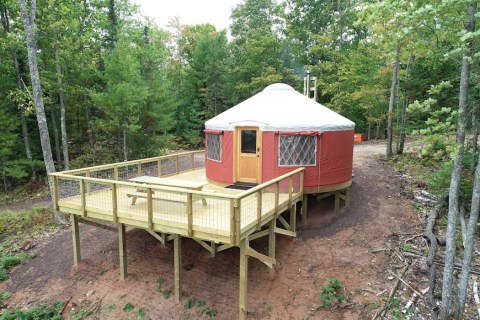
x=20 y=227
x=204 y=309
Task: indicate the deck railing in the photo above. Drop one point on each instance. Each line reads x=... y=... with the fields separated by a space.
x=103 y=192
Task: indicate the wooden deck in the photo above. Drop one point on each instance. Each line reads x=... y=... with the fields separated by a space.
x=219 y=216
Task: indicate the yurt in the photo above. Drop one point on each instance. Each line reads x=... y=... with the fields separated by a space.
x=274 y=132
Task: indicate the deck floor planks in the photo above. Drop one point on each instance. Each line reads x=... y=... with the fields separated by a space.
x=214 y=217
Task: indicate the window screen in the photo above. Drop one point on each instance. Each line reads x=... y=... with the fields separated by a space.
x=297 y=150
x=214 y=147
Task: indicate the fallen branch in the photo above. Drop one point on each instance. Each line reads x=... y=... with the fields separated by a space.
x=65 y=304
x=408 y=285
x=432 y=240
x=383 y=311
x=412 y=300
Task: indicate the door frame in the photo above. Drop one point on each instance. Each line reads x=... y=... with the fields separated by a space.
x=236 y=147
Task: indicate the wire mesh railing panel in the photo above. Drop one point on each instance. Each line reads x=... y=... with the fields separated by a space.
x=248 y=210
x=170 y=206
x=199 y=160
x=185 y=162
x=149 y=169
x=69 y=191
x=131 y=203
x=296 y=183
x=168 y=166
x=128 y=172
x=211 y=215
x=107 y=174
x=98 y=197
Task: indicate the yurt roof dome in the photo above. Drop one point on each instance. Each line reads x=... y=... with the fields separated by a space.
x=280 y=108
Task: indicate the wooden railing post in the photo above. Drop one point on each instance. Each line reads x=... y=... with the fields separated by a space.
x=88 y=174
x=277 y=197
x=232 y=221
x=114 y=203
x=150 y=208
x=259 y=210
x=55 y=193
x=177 y=164
x=237 y=221
x=139 y=169
x=192 y=155
x=190 y=214
x=82 y=197
x=159 y=168
x=115 y=173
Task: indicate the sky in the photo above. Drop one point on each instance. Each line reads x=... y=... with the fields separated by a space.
x=216 y=12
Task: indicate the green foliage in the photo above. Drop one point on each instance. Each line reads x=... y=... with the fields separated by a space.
x=42 y=312
x=111 y=307
x=7 y=262
x=140 y=313
x=189 y=303
x=128 y=307
x=164 y=292
x=330 y=294
x=14 y=224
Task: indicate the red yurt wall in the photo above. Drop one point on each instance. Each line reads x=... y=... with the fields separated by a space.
x=333 y=163
x=222 y=172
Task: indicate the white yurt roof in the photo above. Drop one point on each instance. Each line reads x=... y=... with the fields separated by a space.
x=280 y=108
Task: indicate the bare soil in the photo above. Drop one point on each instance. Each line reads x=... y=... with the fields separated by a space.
x=330 y=246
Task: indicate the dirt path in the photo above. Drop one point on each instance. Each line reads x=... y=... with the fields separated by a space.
x=331 y=246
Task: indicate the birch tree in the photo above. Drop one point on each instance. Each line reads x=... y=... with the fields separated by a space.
x=28 y=18
x=453 y=205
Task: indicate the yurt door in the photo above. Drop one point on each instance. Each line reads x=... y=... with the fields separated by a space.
x=249 y=157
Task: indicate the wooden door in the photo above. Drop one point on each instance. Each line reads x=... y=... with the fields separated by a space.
x=249 y=156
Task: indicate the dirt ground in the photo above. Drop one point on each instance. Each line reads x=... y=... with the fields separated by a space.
x=330 y=246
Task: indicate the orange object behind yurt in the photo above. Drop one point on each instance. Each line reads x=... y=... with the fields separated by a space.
x=277 y=131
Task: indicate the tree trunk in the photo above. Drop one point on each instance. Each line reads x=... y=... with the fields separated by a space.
x=53 y=116
x=401 y=143
x=369 y=129
x=85 y=87
x=377 y=136
x=475 y=205
x=475 y=132
x=125 y=153
x=29 y=23
x=391 y=104
x=446 y=305
x=63 y=125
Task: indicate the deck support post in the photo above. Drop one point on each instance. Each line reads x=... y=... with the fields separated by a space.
x=304 y=209
x=76 y=239
x=122 y=251
x=293 y=218
x=243 y=279
x=177 y=266
x=347 y=197
x=271 y=240
x=337 y=202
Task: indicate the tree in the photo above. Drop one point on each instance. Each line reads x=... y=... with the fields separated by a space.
x=28 y=19
x=455 y=186
x=124 y=94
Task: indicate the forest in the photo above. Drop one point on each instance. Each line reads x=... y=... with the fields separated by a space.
x=91 y=82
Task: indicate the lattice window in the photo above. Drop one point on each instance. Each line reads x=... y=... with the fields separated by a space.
x=214 y=147
x=297 y=150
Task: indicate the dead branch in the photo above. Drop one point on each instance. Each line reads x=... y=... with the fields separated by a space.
x=432 y=240
x=408 y=285
x=65 y=304
x=383 y=311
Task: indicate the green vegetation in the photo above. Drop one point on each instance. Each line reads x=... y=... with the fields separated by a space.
x=128 y=307
x=331 y=294
x=7 y=262
x=164 y=292
x=110 y=307
x=201 y=305
x=42 y=312
x=140 y=313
